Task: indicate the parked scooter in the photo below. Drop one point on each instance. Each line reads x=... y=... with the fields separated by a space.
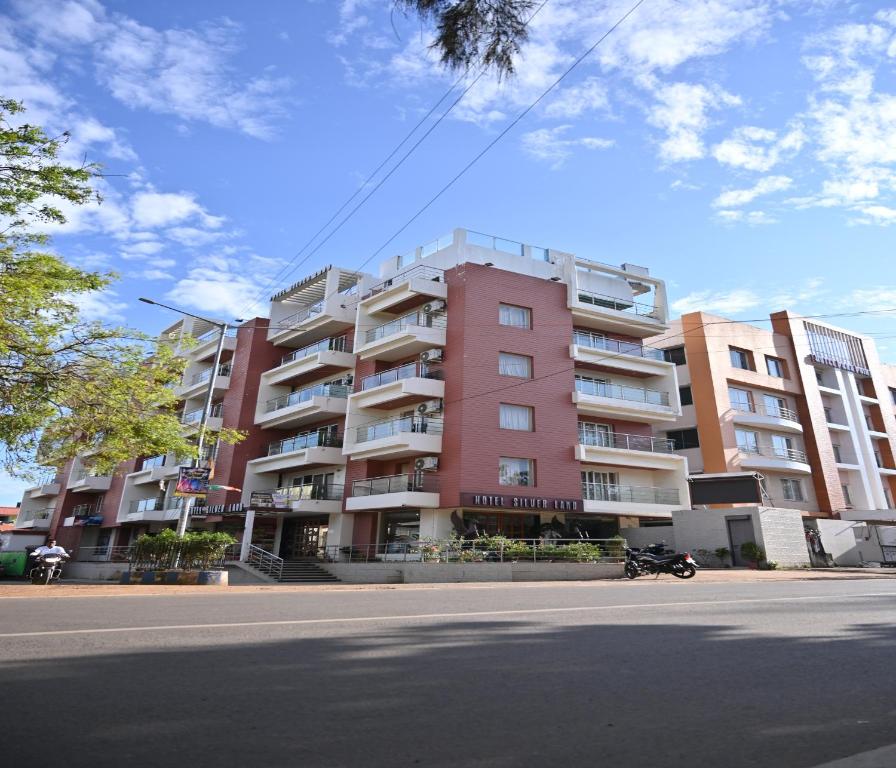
x=656 y=559
x=46 y=568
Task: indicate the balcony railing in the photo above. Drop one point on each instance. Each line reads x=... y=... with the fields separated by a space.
x=421 y=482
x=787 y=454
x=223 y=370
x=620 y=392
x=311 y=491
x=418 y=272
x=331 y=344
x=214 y=333
x=598 y=341
x=304 y=440
x=627 y=442
x=305 y=395
x=154 y=461
x=81 y=474
x=290 y=321
x=35 y=514
x=85 y=510
x=776 y=412
x=155 y=504
x=633 y=494
x=192 y=417
x=404 y=322
x=391 y=427
x=616 y=303
x=406 y=371
x=504 y=245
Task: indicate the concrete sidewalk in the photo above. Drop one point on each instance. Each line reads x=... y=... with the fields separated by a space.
x=704 y=576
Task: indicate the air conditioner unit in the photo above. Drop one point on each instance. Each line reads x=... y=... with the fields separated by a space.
x=434 y=306
x=426 y=462
x=430 y=406
x=431 y=356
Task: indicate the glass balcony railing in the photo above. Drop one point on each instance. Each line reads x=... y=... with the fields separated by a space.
x=85 y=510
x=35 y=514
x=332 y=344
x=213 y=334
x=632 y=494
x=772 y=452
x=300 y=442
x=616 y=303
x=194 y=417
x=223 y=370
x=311 y=491
x=417 y=272
x=404 y=322
x=392 y=427
x=776 y=411
x=620 y=392
x=291 y=321
x=406 y=371
x=154 y=461
x=598 y=341
x=157 y=504
x=421 y=482
x=627 y=442
x=305 y=395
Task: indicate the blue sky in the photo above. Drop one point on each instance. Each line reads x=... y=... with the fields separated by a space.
x=744 y=150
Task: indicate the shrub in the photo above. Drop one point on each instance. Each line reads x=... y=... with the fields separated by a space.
x=751 y=551
x=195 y=551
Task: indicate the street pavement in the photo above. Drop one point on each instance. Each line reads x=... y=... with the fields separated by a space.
x=773 y=673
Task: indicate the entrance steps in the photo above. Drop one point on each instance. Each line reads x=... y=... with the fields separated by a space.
x=303 y=572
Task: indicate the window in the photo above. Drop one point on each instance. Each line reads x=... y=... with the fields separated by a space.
x=747 y=441
x=775 y=406
x=819 y=377
x=675 y=355
x=782 y=446
x=775 y=367
x=684 y=438
x=793 y=489
x=516 y=317
x=893 y=395
x=686 y=396
x=515 y=365
x=741 y=400
x=601 y=486
x=829 y=414
x=741 y=358
x=600 y=435
x=516 y=471
x=846 y=497
x=517 y=417
x=838 y=457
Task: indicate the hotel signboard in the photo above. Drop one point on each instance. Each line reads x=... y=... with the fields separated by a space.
x=506 y=501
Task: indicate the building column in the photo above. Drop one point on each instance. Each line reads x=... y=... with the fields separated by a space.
x=278 y=534
x=247 y=535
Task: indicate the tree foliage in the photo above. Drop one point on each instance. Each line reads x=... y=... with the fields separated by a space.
x=474 y=32
x=67 y=386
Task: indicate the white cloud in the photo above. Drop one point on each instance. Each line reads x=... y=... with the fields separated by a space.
x=737 y=197
x=159 y=209
x=881 y=215
x=100 y=305
x=575 y=100
x=156 y=274
x=748 y=217
x=549 y=144
x=871 y=299
x=757 y=149
x=725 y=302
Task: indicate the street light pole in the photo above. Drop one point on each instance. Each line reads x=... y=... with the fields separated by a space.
x=187 y=507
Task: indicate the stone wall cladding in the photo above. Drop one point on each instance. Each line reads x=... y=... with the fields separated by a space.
x=781 y=535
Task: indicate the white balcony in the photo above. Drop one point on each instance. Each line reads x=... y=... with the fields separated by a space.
x=326 y=317
x=153 y=516
x=192 y=419
x=625 y=356
x=305 y=450
x=198 y=383
x=414 y=491
x=311 y=499
x=404 y=336
x=207 y=344
x=304 y=406
x=635 y=451
x=623 y=401
x=776 y=460
x=766 y=417
x=44 y=491
x=395 y=438
x=397 y=387
x=86 y=483
x=409 y=286
x=617 y=314
x=35 y=519
x=323 y=357
x=630 y=500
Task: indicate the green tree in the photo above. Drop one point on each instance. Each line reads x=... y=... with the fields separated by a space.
x=473 y=32
x=67 y=386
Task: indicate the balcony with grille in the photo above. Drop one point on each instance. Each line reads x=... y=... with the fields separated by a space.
x=624 y=450
x=766 y=416
x=774 y=458
x=399 y=387
x=621 y=400
x=304 y=406
x=395 y=438
x=630 y=500
x=597 y=350
x=400 y=337
x=417 y=490
x=325 y=357
x=305 y=450
x=311 y=498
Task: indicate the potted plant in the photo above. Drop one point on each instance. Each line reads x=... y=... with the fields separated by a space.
x=752 y=553
x=722 y=554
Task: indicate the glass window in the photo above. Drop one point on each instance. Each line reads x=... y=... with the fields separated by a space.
x=676 y=355
x=600 y=435
x=747 y=441
x=517 y=317
x=846 y=496
x=793 y=489
x=893 y=395
x=517 y=417
x=515 y=365
x=775 y=366
x=775 y=406
x=741 y=400
x=838 y=457
x=686 y=396
x=684 y=438
x=782 y=446
x=516 y=471
x=740 y=358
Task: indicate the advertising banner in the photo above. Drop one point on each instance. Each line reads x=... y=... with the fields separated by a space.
x=192 y=481
x=269 y=500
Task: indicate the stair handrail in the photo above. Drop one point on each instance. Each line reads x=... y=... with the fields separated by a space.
x=265 y=561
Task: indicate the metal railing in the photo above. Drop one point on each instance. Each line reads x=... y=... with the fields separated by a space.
x=35 y=514
x=152 y=462
x=504 y=245
x=290 y=321
x=633 y=494
x=331 y=344
x=775 y=411
x=264 y=561
x=300 y=442
x=310 y=491
x=158 y=505
x=417 y=272
x=306 y=394
x=223 y=370
x=82 y=474
x=770 y=452
x=104 y=554
x=406 y=371
x=616 y=303
x=214 y=333
x=421 y=482
x=620 y=392
x=628 y=442
x=192 y=417
x=410 y=320
x=85 y=510
x=391 y=427
x=495 y=549
x=598 y=341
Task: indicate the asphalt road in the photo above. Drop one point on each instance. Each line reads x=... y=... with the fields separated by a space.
x=792 y=674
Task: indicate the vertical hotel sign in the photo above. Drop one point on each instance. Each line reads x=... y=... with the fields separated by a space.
x=192 y=482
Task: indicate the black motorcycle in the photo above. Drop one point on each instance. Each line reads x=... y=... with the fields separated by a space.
x=656 y=559
x=46 y=568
